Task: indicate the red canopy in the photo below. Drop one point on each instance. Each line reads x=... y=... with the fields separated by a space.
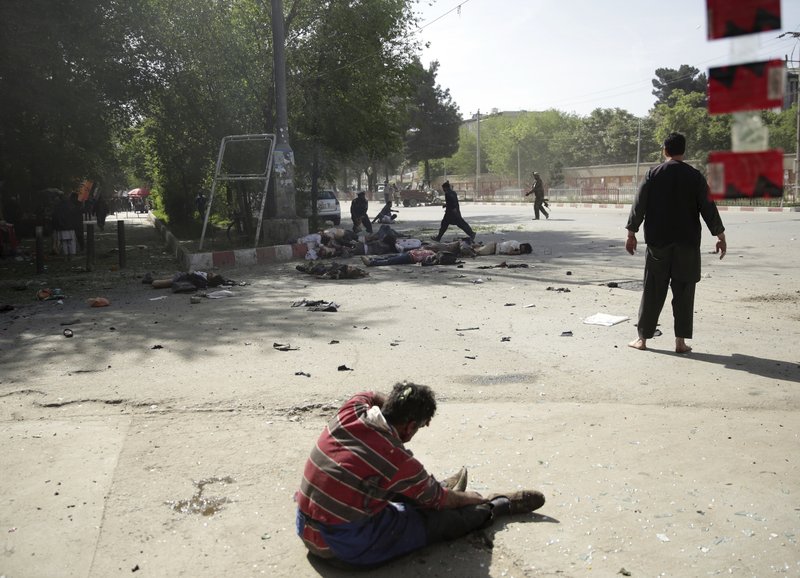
x=138 y=193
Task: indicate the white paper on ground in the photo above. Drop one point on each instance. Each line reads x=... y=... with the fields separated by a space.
x=605 y=319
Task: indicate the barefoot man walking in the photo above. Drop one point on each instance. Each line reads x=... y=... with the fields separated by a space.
x=670 y=201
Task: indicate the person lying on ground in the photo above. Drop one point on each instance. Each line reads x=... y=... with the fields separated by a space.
x=504 y=248
x=412 y=257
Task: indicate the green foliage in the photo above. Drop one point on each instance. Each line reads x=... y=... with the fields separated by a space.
x=686 y=78
x=68 y=81
x=684 y=113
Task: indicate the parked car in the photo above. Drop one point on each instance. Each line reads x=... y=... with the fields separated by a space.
x=328 y=208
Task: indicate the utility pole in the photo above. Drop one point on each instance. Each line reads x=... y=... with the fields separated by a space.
x=478 y=157
x=285 y=224
x=638 y=152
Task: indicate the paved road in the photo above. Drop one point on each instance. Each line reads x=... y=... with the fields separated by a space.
x=115 y=442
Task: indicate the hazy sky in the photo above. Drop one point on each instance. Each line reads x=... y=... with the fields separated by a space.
x=578 y=55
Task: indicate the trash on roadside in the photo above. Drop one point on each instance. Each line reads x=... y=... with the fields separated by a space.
x=505 y=339
x=158 y=298
x=303 y=373
x=157 y=347
x=317 y=305
x=467 y=328
x=68 y=333
x=98 y=302
x=605 y=319
x=566 y=334
x=331 y=270
x=221 y=294
x=478 y=281
x=509 y=304
x=559 y=289
x=50 y=295
x=344 y=368
x=194 y=299
x=284 y=347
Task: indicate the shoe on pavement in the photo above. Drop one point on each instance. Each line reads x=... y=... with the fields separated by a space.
x=522 y=502
x=457 y=481
x=365 y=260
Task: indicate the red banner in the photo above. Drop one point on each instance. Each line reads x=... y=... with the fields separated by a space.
x=745 y=175
x=738 y=17
x=751 y=86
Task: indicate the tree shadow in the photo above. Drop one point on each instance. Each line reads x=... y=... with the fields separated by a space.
x=470 y=555
x=765 y=367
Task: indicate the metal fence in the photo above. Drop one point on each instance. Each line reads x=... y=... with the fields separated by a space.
x=611 y=196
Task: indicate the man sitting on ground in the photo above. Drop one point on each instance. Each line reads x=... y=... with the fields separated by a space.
x=365 y=499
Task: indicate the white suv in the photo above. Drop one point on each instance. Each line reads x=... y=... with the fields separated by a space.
x=328 y=207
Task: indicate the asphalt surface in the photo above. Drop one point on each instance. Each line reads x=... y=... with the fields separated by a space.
x=166 y=438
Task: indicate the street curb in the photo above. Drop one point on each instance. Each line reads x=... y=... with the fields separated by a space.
x=296 y=251
x=626 y=205
x=233 y=258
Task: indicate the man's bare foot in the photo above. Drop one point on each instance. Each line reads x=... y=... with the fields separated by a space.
x=681 y=347
x=640 y=344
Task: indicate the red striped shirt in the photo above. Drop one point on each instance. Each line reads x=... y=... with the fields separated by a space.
x=354 y=471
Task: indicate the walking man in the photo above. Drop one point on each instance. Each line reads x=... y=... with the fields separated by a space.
x=452 y=214
x=539 y=202
x=670 y=201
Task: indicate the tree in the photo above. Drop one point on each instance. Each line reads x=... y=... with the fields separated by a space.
x=69 y=77
x=683 y=113
x=686 y=78
x=434 y=119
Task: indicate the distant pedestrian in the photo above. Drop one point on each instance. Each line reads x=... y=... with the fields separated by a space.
x=358 y=212
x=101 y=212
x=64 y=240
x=452 y=214
x=539 y=202
x=670 y=201
x=200 y=203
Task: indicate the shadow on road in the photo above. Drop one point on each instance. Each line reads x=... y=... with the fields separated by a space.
x=769 y=368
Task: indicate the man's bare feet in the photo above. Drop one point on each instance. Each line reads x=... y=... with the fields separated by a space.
x=640 y=344
x=680 y=346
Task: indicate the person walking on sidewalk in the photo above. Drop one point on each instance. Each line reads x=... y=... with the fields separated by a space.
x=365 y=499
x=670 y=201
x=539 y=202
x=452 y=214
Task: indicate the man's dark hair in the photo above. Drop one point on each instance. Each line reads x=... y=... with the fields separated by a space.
x=446 y=185
x=675 y=144
x=525 y=248
x=409 y=402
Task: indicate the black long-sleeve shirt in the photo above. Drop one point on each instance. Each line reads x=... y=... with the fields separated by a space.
x=671 y=201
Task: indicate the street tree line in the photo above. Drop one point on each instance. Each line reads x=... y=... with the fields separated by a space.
x=141 y=92
x=549 y=140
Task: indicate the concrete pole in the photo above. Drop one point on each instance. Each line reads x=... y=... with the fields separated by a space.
x=478 y=158
x=284 y=156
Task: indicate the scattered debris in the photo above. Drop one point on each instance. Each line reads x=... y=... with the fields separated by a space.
x=221 y=294
x=509 y=305
x=566 y=334
x=98 y=302
x=505 y=339
x=331 y=270
x=318 y=305
x=529 y=305
x=303 y=373
x=467 y=328
x=333 y=342
x=559 y=289
x=68 y=333
x=284 y=347
x=157 y=347
x=605 y=319
x=344 y=368
x=613 y=285
x=158 y=298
